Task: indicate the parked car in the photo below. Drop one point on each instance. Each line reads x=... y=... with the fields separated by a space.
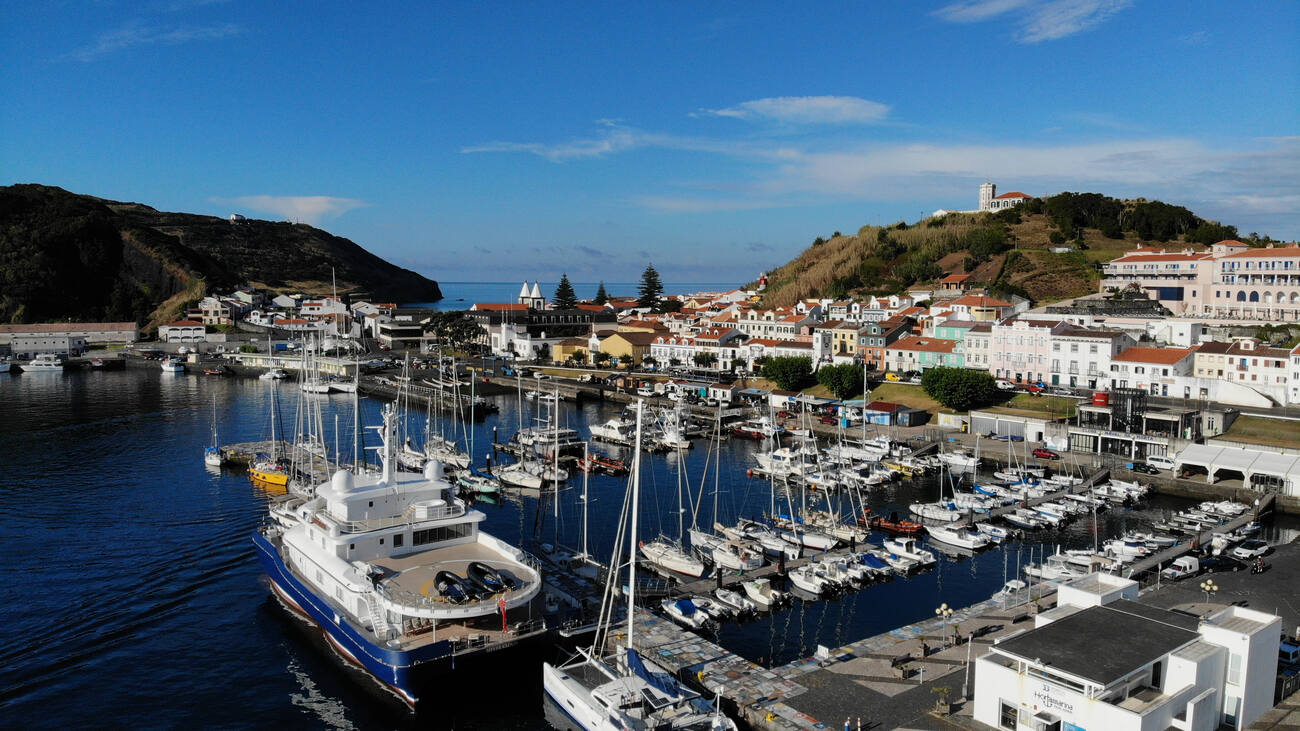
x=1045 y=453
x=1031 y=388
x=539 y=375
x=645 y=391
x=1059 y=391
x=1181 y=568
x=1005 y=385
x=1211 y=564
x=1144 y=468
x=893 y=377
x=1161 y=462
x=1250 y=549
x=828 y=419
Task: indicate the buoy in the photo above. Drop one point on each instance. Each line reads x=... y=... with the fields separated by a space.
x=749 y=473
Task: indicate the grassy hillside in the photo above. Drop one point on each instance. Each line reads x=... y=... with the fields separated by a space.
x=65 y=256
x=1008 y=251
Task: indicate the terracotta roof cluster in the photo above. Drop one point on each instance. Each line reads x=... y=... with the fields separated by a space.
x=923 y=344
x=1161 y=356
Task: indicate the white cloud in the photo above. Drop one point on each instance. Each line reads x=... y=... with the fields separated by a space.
x=806 y=110
x=1041 y=21
x=140 y=34
x=614 y=137
x=306 y=208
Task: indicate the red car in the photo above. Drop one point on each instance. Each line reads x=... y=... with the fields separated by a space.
x=1042 y=453
x=1031 y=388
x=829 y=419
x=784 y=415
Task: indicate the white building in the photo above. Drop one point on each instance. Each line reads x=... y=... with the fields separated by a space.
x=27 y=347
x=1102 y=661
x=991 y=201
x=183 y=331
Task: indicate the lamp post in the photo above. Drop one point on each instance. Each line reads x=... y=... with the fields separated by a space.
x=1210 y=588
x=944 y=612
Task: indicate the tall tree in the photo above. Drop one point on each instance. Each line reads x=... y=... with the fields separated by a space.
x=650 y=289
x=565 y=298
x=601 y=295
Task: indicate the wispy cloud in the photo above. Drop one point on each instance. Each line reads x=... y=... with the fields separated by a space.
x=614 y=137
x=1037 y=21
x=306 y=208
x=806 y=110
x=140 y=34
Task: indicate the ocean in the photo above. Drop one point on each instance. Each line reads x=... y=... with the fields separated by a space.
x=133 y=596
x=462 y=295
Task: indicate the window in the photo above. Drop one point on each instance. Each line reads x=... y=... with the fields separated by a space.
x=1155 y=675
x=1234 y=669
x=1007 y=716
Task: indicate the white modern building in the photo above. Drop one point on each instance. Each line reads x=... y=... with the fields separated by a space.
x=1100 y=660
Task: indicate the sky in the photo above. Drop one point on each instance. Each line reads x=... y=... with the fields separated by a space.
x=497 y=141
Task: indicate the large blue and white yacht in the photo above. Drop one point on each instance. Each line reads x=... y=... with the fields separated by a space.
x=393 y=569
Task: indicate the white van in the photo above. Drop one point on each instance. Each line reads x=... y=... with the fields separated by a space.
x=1164 y=463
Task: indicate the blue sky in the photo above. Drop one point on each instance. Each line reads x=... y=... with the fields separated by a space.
x=497 y=141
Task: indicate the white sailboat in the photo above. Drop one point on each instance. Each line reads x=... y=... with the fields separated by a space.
x=213 y=456
x=626 y=691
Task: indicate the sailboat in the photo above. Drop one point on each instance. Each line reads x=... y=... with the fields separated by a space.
x=213 y=456
x=671 y=554
x=625 y=690
x=718 y=548
x=269 y=468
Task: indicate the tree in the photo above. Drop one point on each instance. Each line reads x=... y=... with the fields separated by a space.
x=453 y=328
x=579 y=356
x=789 y=373
x=625 y=359
x=842 y=380
x=649 y=361
x=650 y=289
x=705 y=360
x=601 y=295
x=600 y=357
x=960 y=389
x=565 y=298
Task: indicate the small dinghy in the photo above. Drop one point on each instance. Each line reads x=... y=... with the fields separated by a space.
x=488 y=578
x=453 y=587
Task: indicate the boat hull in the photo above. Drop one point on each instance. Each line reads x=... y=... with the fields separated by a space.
x=402 y=672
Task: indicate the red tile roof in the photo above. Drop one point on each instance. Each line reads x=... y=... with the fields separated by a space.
x=1265 y=253
x=186 y=323
x=1152 y=258
x=954 y=279
x=1012 y=194
x=928 y=345
x=979 y=300
x=1162 y=356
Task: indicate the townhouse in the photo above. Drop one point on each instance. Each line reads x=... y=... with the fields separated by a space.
x=1159 y=371
x=874 y=337
x=918 y=353
x=1081 y=357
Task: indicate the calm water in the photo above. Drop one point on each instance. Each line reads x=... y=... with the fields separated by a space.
x=460 y=295
x=133 y=596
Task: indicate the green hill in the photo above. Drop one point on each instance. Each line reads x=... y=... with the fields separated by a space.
x=65 y=256
x=1008 y=251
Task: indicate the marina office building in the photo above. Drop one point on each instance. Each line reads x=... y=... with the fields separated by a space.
x=1101 y=660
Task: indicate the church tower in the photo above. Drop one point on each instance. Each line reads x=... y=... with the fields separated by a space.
x=988 y=191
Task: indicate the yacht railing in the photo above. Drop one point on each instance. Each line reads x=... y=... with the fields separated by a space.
x=408 y=517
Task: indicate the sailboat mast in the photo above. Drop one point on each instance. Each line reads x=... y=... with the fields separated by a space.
x=586 y=474
x=636 y=499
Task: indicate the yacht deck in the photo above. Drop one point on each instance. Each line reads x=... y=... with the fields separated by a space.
x=415 y=573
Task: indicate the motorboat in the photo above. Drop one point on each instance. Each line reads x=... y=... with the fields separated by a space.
x=892 y=524
x=714 y=609
x=943 y=511
x=873 y=563
x=760 y=592
x=684 y=611
x=172 y=365
x=961 y=537
x=899 y=564
x=768 y=539
x=616 y=431
x=995 y=533
x=761 y=428
x=44 y=362
x=478 y=483
x=960 y=460
x=1014 y=591
x=1025 y=518
x=811 y=579
x=274 y=374
x=908 y=547
x=737 y=601
x=379 y=607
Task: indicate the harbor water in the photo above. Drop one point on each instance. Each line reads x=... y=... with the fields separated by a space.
x=133 y=596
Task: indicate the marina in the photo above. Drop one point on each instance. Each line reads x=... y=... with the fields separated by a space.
x=773 y=647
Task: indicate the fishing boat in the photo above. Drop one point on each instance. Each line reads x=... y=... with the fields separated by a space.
x=172 y=365
x=384 y=565
x=623 y=690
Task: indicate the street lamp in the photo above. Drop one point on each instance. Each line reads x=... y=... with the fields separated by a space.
x=1210 y=588
x=944 y=612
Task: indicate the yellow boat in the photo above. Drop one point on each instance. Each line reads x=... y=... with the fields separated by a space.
x=269 y=475
x=906 y=470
